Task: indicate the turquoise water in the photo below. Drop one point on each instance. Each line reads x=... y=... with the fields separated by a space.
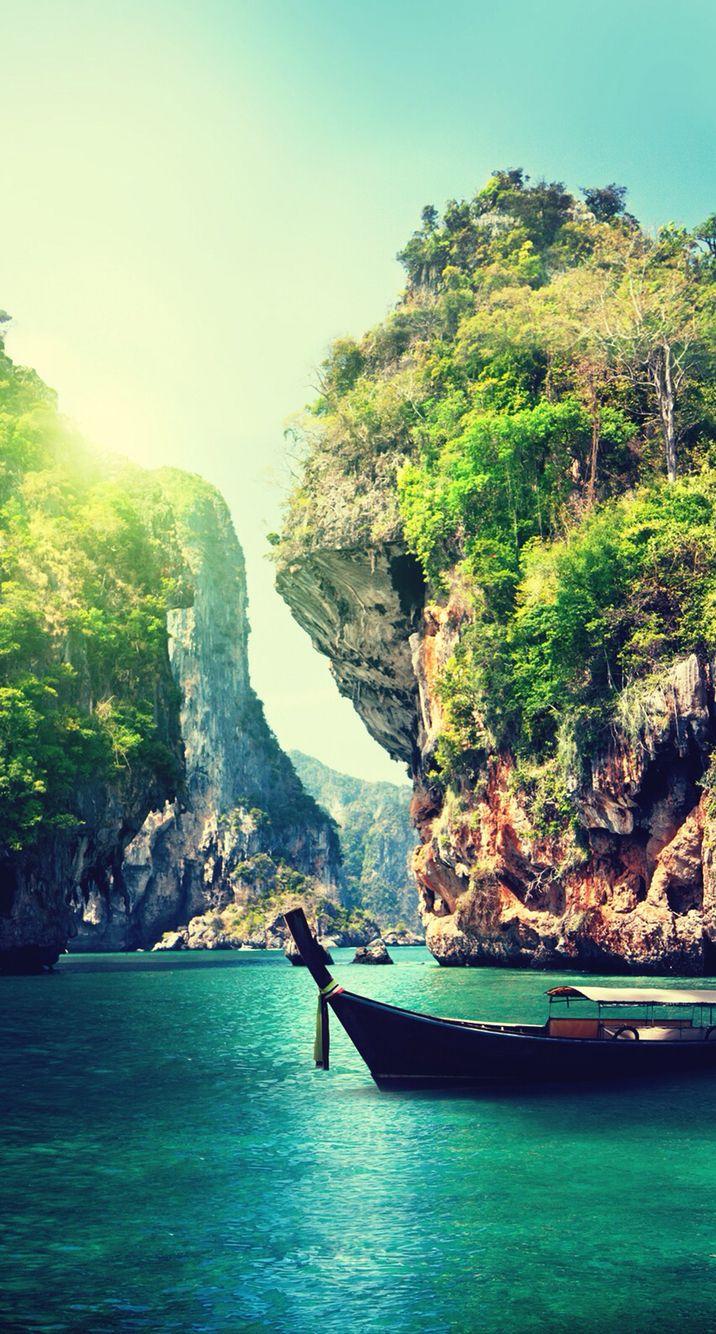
x=172 y=1161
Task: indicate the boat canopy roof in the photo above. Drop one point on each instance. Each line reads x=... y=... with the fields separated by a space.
x=634 y=995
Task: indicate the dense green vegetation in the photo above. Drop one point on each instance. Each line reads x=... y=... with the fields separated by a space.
x=88 y=567
x=536 y=419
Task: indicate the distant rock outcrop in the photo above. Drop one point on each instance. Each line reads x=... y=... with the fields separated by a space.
x=377 y=841
x=374 y=952
x=404 y=937
x=292 y=953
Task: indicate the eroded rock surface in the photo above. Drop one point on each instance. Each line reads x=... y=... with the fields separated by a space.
x=360 y=609
x=623 y=890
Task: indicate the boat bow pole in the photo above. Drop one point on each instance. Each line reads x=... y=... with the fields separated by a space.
x=312 y=955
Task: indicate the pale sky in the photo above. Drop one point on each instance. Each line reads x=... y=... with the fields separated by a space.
x=198 y=195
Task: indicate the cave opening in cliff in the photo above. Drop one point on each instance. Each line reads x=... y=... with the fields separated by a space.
x=670 y=791
x=409 y=583
x=709 y=956
x=674 y=780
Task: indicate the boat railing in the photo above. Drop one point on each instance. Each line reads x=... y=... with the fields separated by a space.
x=653 y=1028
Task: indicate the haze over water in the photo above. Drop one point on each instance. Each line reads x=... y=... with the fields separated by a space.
x=172 y=1161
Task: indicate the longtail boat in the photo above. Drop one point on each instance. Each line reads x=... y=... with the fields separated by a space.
x=629 y=1037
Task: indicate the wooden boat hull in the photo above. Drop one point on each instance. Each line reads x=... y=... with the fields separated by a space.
x=405 y=1049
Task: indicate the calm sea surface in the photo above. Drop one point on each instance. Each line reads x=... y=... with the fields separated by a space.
x=172 y=1161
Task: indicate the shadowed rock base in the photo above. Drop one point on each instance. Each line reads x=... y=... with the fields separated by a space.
x=28 y=959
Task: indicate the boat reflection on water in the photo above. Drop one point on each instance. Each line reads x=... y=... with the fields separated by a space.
x=631 y=1035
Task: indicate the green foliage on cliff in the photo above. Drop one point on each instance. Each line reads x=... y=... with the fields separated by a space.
x=537 y=419
x=87 y=570
x=631 y=586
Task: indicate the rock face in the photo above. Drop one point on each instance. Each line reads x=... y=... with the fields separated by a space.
x=40 y=888
x=622 y=889
x=360 y=609
x=629 y=884
x=243 y=818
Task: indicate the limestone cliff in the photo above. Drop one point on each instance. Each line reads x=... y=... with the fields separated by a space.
x=40 y=888
x=627 y=884
x=503 y=535
x=243 y=829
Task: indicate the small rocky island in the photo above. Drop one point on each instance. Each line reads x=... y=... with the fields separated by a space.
x=374 y=952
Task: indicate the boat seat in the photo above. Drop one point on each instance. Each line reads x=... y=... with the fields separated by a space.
x=574 y=1028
